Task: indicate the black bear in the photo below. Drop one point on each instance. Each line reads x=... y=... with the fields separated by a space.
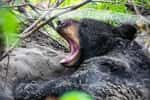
x=112 y=65
x=88 y=38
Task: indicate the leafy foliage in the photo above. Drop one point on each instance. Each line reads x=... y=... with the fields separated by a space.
x=144 y=3
x=8 y=25
x=111 y=6
x=114 y=7
x=67 y=3
x=111 y=11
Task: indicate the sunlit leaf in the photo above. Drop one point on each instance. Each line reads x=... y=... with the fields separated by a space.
x=70 y=2
x=76 y=95
x=9 y=25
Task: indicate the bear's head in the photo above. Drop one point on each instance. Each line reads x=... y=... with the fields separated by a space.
x=88 y=38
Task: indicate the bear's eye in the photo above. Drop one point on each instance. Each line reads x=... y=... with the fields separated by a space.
x=63 y=24
x=84 y=25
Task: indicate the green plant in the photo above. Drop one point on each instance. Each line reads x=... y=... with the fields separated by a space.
x=76 y=95
x=9 y=25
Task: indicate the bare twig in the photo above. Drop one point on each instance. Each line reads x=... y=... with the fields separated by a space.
x=138 y=12
x=38 y=23
x=14 y=6
x=105 y=1
x=10 y=49
x=7 y=70
x=59 y=2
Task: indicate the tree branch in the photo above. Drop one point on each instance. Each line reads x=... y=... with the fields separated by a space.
x=40 y=23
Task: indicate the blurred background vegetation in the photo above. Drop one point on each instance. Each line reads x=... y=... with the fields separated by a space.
x=16 y=15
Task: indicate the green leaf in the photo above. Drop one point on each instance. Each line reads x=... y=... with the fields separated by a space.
x=9 y=25
x=67 y=3
x=76 y=95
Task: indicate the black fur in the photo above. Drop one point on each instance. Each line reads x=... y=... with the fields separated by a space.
x=98 y=38
x=121 y=70
x=126 y=31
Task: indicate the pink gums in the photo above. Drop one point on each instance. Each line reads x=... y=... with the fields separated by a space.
x=75 y=49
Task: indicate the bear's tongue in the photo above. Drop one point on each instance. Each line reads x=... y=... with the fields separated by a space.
x=73 y=56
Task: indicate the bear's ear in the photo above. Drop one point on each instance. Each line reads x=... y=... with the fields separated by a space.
x=125 y=31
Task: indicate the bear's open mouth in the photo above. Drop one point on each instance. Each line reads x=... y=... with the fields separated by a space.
x=74 y=54
x=68 y=29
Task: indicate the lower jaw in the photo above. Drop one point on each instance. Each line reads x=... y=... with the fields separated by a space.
x=70 y=62
x=74 y=55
